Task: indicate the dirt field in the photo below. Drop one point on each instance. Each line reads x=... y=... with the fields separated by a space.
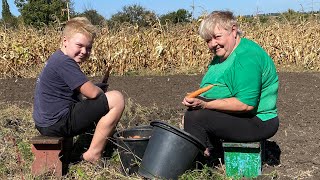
x=293 y=153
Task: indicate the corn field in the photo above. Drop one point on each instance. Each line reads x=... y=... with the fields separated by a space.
x=159 y=50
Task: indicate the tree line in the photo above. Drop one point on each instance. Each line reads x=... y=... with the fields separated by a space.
x=39 y=13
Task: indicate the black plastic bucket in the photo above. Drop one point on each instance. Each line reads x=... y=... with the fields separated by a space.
x=131 y=149
x=170 y=152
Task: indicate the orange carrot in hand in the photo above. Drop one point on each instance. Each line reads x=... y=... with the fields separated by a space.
x=199 y=91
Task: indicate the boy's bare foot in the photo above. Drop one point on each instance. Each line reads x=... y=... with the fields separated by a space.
x=88 y=157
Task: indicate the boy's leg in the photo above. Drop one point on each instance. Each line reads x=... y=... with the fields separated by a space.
x=105 y=126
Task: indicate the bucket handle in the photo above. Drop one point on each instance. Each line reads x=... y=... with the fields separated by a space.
x=185 y=136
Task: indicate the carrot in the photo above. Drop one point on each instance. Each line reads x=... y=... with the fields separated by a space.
x=136 y=137
x=199 y=91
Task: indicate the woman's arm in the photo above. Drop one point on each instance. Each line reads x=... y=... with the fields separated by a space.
x=226 y=105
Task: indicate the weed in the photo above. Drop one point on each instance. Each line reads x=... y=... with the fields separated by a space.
x=204 y=173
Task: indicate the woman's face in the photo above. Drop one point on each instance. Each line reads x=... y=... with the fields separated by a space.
x=223 y=42
x=77 y=47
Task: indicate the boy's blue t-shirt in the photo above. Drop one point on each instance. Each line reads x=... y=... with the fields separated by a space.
x=56 y=89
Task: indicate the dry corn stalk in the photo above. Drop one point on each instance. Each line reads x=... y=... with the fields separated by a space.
x=158 y=50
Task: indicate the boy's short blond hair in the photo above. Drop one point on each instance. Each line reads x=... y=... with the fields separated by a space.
x=79 y=25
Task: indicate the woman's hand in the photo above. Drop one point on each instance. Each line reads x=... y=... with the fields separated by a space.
x=194 y=103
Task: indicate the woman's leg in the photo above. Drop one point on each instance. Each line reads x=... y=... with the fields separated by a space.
x=206 y=123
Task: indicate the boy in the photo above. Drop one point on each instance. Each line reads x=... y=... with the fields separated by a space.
x=57 y=109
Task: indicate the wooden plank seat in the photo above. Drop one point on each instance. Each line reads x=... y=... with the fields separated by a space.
x=50 y=154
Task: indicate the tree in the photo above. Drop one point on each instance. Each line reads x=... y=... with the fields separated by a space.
x=42 y=12
x=7 y=17
x=135 y=15
x=178 y=16
x=93 y=16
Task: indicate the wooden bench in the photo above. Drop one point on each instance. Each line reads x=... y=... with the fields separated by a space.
x=243 y=159
x=50 y=154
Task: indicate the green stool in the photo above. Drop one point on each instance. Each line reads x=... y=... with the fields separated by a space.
x=243 y=159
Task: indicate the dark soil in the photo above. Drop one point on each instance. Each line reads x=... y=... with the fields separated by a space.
x=293 y=153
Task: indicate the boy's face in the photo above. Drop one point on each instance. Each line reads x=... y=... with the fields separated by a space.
x=77 y=47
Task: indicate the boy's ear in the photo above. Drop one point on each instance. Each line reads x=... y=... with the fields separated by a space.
x=64 y=40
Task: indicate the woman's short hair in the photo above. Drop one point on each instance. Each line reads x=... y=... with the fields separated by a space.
x=223 y=19
x=79 y=25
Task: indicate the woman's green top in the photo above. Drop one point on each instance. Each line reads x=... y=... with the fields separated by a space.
x=248 y=74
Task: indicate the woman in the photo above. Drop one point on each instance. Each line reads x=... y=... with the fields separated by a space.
x=241 y=107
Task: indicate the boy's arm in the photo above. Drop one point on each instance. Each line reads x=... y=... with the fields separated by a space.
x=89 y=90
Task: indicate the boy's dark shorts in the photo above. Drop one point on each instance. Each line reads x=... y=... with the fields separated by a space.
x=83 y=116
